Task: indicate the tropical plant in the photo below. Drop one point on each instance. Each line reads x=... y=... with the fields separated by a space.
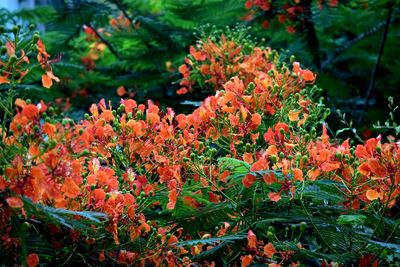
x=243 y=179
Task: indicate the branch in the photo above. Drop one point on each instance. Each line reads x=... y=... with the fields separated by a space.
x=312 y=38
x=353 y=41
x=112 y=50
x=376 y=66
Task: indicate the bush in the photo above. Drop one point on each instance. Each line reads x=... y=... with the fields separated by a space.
x=243 y=179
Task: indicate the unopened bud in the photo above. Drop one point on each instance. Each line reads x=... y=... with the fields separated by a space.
x=35 y=38
x=12 y=59
x=14 y=29
x=303 y=226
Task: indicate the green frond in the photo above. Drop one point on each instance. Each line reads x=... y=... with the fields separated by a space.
x=206 y=241
x=64 y=217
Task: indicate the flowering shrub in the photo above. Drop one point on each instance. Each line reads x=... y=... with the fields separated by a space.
x=217 y=59
x=292 y=14
x=17 y=53
x=243 y=179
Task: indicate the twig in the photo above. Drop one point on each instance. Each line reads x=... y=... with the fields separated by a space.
x=378 y=61
x=352 y=42
x=107 y=43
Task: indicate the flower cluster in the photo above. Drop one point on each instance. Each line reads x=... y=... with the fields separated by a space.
x=253 y=145
x=16 y=57
x=292 y=14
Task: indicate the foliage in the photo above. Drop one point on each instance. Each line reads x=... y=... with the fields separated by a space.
x=348 y=43
x=128 y=48
x=243 y=179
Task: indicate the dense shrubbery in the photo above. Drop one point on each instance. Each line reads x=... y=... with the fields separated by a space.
x=243 y=179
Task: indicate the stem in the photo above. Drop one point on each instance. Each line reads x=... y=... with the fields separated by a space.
x=381 y=250
x=379 y=222
x=378 y=61
x=312 y=221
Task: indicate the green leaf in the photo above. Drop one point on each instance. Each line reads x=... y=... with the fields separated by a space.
x=353 y=220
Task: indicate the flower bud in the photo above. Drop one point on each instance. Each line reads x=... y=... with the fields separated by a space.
x=14 y=29
x=270 y=235
x=304 y=159
x=35 y=38
x=12 y=59
x=213 y=152
x=303 y=226
x=121 y=108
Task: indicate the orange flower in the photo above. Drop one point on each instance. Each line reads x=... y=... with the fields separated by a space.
x=246 y=260
x=182 y=91
x=49 y=129
x=372 y=194
x=32 y=260
x=248 y=157
x=269 y=178
x=98 y=195
x=298 y=174
x=251 y=240
x=47 y=79
x=308 y=76
x=269 y=250
x=260 y=165
x=69 y=188
x=294 y=115
x=197 y=55
x=275 y=197
x=14 y=202
x=248 y=180
x=256 y=119
x=376 y=168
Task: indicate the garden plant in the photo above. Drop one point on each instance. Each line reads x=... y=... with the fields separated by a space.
x=253 y=176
